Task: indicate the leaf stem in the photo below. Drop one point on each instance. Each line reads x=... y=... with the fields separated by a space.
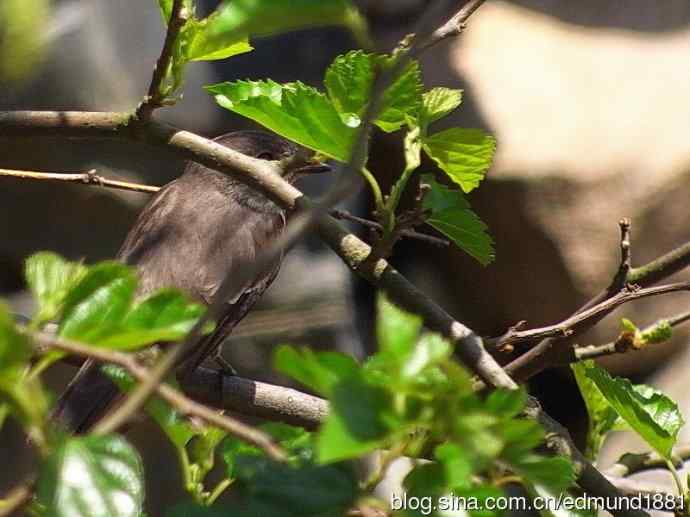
x=375 y=188
x=218 y=490
x=676 y=477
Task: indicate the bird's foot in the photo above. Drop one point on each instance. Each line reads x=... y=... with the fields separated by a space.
x=224 y=365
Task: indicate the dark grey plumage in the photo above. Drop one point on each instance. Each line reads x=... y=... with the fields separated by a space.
x=192 y=233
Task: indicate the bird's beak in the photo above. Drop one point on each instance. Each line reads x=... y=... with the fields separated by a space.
x=314 y=168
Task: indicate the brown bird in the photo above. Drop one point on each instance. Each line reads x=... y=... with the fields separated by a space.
x=194 y=232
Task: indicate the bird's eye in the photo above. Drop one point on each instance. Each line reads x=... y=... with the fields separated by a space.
x=265 y=156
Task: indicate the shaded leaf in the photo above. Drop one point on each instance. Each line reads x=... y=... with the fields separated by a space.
x=463 y=154
x=452 y=216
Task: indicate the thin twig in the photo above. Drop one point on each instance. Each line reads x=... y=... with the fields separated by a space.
x=154 y=98
x=17 y=498
x=453 y=27
x=571 y=325
x=630 y=463
x=624 y=342
x=410 y=234
x=90 y=177
x=180 y=402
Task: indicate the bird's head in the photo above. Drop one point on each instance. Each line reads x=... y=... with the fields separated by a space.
x=296 y=161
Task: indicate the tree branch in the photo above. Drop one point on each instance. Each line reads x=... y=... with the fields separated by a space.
x=90 y=177
x=265 y=177
x=180 y=402
x=155 y=98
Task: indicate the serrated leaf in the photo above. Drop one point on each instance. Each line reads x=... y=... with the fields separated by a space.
x=463 y=154
x=50 y=277
x=92 y=476
x=437 y=103
x=294 y=110
x=320 y=371
x=452 y=216
x=207 y=40
x=349 y=81
x=602 y=418
x=648 y=412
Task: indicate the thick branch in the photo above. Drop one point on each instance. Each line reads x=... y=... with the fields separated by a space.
x=180 y=402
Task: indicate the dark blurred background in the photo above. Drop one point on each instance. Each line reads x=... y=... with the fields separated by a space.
x=588 y=101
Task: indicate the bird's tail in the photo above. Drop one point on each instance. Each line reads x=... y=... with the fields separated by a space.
x=86 y=399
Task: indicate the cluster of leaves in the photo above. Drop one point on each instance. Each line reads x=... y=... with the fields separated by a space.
x=327 y=122
x=411 y=398
x=226 y=31
x=94 y=305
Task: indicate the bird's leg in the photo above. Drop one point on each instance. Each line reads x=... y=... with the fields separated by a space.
x=223 y=363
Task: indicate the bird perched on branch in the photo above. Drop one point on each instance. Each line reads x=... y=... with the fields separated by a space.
x=195 y=232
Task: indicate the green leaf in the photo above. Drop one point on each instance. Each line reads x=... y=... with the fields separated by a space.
x=92 y=476
x=360 y=420
x=452 y=216
x=50 y=277
x=457 y=464
x=22 y=26
x=99 y=310
x=349 y=81
x=431 y=349
x=98 y=302
x=275 y=489
x=23 y=395
x=164 y=316
x=506 y=403
x=437 y=103
x=234 y=19
x=556 y=474
x=396 y=330
x=207 y=41
x=294 y=110
x=648 y=412
x=602 y=418
x=463 y=154
x=320 y=371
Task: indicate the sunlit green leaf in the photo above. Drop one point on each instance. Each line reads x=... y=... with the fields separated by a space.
x=294 y=110
x=650 y=413
x=92 y=476
x=463 y=154
x=349 y=81
x=241 y=18
x=320 y=371
x=396 y=330
x=452 y=216
x=602 y=418
x=437 y=103
x=50 y=277
x=22 y=37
